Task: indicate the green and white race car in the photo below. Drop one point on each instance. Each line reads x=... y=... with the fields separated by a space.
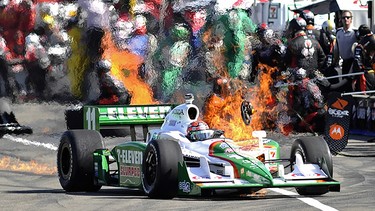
x=169 y=163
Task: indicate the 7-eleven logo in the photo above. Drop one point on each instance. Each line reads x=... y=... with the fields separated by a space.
x=336 y=132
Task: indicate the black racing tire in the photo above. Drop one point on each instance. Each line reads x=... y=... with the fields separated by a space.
x=75 y=163
x=160 y=169
x=74 y=118
x=246 y=112
x=314 y=150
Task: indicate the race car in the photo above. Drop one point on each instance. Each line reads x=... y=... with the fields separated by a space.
x=8 y=121
x=174 y=161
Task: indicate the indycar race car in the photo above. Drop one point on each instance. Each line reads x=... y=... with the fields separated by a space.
x=174 y=162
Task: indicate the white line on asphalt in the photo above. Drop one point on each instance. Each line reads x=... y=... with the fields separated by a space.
x=310 y=201
x=27 y=142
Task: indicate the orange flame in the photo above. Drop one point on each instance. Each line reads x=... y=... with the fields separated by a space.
x=125 y=68
x=14 y=164
x=262 y=98
x=224 y=112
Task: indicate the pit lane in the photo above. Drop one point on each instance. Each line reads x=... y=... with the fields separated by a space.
x=38 y=188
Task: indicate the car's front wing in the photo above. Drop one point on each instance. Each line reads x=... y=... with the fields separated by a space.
x=195 y=186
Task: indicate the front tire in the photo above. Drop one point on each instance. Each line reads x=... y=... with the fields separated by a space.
x=313 y=150
x=160 y=169
x=75 y=163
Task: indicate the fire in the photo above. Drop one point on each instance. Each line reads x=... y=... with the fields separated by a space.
x=125 y=68
x=14 y=164
x=262 y=98
x=224 y=111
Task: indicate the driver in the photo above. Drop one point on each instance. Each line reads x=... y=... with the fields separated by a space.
x=199 y=131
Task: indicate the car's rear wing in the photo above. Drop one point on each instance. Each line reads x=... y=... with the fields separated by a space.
x=98 y=117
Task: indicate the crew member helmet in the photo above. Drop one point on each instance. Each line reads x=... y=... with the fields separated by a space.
x=329 y=26
x=368 y=42
x=363 y=30
x=308 y=16
x=295 y=25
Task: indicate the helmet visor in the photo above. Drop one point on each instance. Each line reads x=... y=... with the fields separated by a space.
x=201 y=135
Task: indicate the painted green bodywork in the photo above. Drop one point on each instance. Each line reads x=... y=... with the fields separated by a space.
x=128 y=158
x=246 y=168
x=250 y=173
x=97 y=116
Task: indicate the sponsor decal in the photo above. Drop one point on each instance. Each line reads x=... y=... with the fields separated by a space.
x=184 y=186
x=249 y=164
x=340 y=104
x=297 y=175
x=198 y=177
x=307 y=175
x=272 y=154
x=338 y=108
x=224 y=145
x=249 y=174
x=338 y=113
x=130 y=171
x=172 y=122
x=130 y=156
x=191 y=156
x=234 y=156
x=178 y=113
x=336 y=132
x=152 y=112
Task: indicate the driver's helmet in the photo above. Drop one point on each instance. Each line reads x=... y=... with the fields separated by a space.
x=199 y=131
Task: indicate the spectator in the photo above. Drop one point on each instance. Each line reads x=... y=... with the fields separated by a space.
x=345 y=38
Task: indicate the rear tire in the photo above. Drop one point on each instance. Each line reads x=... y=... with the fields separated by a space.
x=160 y=169
x=75 y=163
x=314 y=150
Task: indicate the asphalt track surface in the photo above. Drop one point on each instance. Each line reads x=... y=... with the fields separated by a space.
x=28 y=178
